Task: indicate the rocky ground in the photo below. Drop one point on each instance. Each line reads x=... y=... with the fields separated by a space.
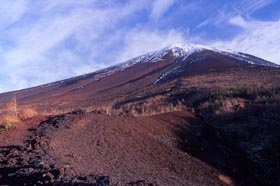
x=30 y=163
x=81 y=148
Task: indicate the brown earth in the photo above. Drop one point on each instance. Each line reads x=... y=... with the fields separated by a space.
x=130 y=150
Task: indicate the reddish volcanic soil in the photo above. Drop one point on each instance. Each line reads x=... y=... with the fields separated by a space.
x=16 y=136
x=131 y=150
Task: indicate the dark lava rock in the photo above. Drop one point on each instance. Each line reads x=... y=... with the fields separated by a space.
x=103 y=181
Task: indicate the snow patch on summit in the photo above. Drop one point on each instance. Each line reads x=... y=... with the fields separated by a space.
x=178 y=51
x=182 y=51
x=185 y=50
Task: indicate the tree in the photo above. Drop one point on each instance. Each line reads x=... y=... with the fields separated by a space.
x=12 y=106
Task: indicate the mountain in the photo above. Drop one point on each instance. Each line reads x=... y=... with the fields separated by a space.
x=183 y=115
x=172 y=62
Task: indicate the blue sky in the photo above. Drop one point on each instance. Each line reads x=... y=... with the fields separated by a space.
x=46 y=40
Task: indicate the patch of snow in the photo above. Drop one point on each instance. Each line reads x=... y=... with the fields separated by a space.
x=167 y=73
x=248 y=59
x=178 y=51
x=183 y=51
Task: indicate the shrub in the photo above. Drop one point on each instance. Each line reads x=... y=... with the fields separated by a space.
x=27 y=113
x=4 y=128
x=225 y=179
x=8 y=120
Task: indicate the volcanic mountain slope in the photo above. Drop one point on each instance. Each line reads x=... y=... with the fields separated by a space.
x=169 y=63
x=183 y=115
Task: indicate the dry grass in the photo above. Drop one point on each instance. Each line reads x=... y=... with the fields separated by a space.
x=27 y=113
x=5 y=127
x=225 y=179
x=8 y=120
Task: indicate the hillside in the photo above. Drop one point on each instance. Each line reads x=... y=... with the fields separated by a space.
x=183 y=115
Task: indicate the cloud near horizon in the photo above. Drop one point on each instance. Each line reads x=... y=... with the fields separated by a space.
x=45 y=41
x=258 y=38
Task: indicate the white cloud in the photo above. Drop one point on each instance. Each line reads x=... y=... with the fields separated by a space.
x=11 y=11
x=84 y=69
x=261 y=39
x=238 y=21
x=248 y=24
x=57 y=40
x=40 y=38
x=234 y=9
x=141 y=41
x=159 y=7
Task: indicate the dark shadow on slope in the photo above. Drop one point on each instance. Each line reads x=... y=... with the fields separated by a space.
x=244 y=144
x=13 y=168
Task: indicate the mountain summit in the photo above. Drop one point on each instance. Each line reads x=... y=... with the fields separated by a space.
x=182 y=51
x=189 y=59
x=186 y=54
